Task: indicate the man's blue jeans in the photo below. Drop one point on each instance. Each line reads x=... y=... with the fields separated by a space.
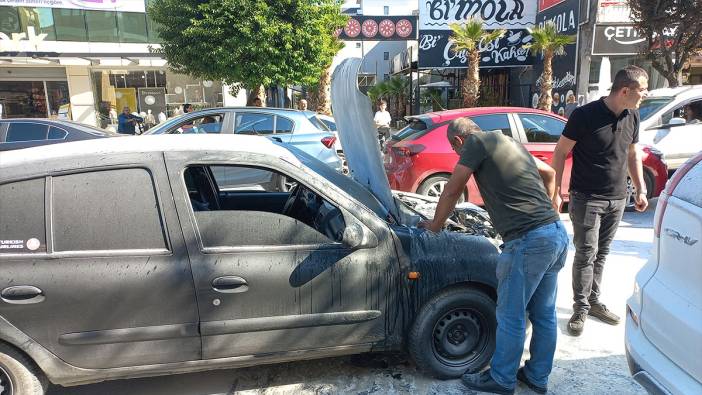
x=527 y=275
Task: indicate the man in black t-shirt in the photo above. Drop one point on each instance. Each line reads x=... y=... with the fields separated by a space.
x=516 y=189
x=603 y=136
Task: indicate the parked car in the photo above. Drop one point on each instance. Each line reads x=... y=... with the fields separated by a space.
x=19 y=133
x=300 y=128
x=125 y=258
x=664 y=315
x=419 y=158
x=663 y=123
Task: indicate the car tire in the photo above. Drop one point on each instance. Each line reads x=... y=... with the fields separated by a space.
x=630 y=203
x=19 y=375
x=454 y=333
x=434 y=185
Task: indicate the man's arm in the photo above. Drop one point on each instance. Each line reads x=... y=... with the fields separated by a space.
x=548 y=176
x=636 y=173
x=563 y=148
x=447 y=201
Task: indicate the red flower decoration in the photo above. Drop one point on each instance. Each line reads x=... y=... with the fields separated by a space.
x=404 y=28
x=353 y=27
x=386 y=28
x=370 y=28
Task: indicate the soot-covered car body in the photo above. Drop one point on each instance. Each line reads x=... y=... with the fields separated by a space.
x=123 y=258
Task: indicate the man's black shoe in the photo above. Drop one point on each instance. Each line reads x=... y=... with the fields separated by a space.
x=577 y=323
x=521 y=376
x=483 y=382
x=601 y=312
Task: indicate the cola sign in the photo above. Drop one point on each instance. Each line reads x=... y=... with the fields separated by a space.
x=379 y=28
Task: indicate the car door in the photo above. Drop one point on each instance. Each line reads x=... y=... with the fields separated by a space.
x=98 y=273
x=539 y=134
x=268 y=282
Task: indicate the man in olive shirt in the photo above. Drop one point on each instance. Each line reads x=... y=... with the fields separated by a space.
x=603 y=136
x=516 y=189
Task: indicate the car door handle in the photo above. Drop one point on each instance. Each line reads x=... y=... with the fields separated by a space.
x=22 y=294
x=541 y=157
x=230 y=284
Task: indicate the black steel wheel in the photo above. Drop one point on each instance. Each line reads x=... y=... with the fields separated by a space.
x=454 y=333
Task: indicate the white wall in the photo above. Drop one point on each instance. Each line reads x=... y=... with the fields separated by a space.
x=82 y=98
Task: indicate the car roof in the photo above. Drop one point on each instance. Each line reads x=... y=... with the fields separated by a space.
x=677 y=91
x=158 y=143
x=449 y=115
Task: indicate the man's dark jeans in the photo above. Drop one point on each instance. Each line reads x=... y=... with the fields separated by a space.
x=594 y=224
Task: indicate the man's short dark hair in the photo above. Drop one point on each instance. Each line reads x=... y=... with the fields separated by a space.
x=628 y=77
x=187 y=107
x=461 y=127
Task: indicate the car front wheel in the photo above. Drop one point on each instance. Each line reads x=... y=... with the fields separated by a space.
x=630 y=198
x=454 y=333
x=18 y=375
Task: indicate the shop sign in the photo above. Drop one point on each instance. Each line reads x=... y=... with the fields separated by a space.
x=378 y=28
x=565 y=15
x=153 y=99
x=436 y=50
x=495 y=14
x=613 y=11
x=622 y=40
x=17 y=42
x=97 y=5
x=544 y=4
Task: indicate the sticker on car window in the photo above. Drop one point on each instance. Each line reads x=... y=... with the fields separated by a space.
x=11 y=244
x=33 y=244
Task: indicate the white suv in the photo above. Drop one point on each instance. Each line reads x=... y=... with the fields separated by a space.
x=664 y=315
x=663 y=124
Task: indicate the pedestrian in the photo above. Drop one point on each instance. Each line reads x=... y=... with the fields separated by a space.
x=382 y=121
x=187 y=107
x=602 y=135
x=126 y=122
x=302 y=105
x=516 y=189
x=257 y=102
x=149 y=120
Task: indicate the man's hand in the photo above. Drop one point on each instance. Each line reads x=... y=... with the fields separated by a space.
x=557 y=201
x=641 y=202
x=430 y=226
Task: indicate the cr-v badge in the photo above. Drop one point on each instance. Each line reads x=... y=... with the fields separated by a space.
x=676 y=235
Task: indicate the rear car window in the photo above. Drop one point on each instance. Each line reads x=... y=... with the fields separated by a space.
x=416 y=129
x=322 y=124
x=23 y=227
x=253 y=123
x=56 y=133
x=541 y=128
x=26 y=131
x=106 y=210
x=283 y=125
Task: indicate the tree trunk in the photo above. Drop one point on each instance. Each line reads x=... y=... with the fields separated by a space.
x=324 y=93
x=471 y=85
x=545 y=99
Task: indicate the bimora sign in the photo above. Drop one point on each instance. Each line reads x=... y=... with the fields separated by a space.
x=98 y=5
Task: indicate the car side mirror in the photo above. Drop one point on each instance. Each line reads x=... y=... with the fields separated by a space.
x=355 y=236
x=677 y=121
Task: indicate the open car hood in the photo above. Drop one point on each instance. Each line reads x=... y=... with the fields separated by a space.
x=359 y=137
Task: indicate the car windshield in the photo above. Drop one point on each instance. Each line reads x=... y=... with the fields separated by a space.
x=416 y=129
x=651 y=105
x=347 y=184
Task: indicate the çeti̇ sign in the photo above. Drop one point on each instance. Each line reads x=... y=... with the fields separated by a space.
x=622 y=39
x=379 y=28
x=436 y=47
x=95 y=5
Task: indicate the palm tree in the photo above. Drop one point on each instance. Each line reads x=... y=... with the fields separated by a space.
x=467 y=38
x=378 y=91
x=397 y=88
x=545 y=39
x=324 y=86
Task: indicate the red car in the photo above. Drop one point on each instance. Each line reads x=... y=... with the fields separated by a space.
x=419 y=158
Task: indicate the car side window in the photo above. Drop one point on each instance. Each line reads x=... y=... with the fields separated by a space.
x=253 y=123
x=22 y=224
x=26 y=131
x=106 y=210
x=541 y=128
x=283 y=125
x=56 y=133
x=238 y=206
x=211 y=124
x=493 y=122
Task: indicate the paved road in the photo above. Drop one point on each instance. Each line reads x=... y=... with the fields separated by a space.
x=591 y=364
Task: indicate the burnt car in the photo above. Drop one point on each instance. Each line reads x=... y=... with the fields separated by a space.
x=124 y=258
x=31 y=132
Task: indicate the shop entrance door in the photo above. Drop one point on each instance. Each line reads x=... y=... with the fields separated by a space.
x=32 y=99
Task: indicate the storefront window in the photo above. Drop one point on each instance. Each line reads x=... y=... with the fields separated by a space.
x=57 y=96
x=102 y=26
x=132 y=27
x=9 y=20
x=70 y=25
x=23 y=99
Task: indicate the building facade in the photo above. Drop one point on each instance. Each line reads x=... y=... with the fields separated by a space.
x=87 y=60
